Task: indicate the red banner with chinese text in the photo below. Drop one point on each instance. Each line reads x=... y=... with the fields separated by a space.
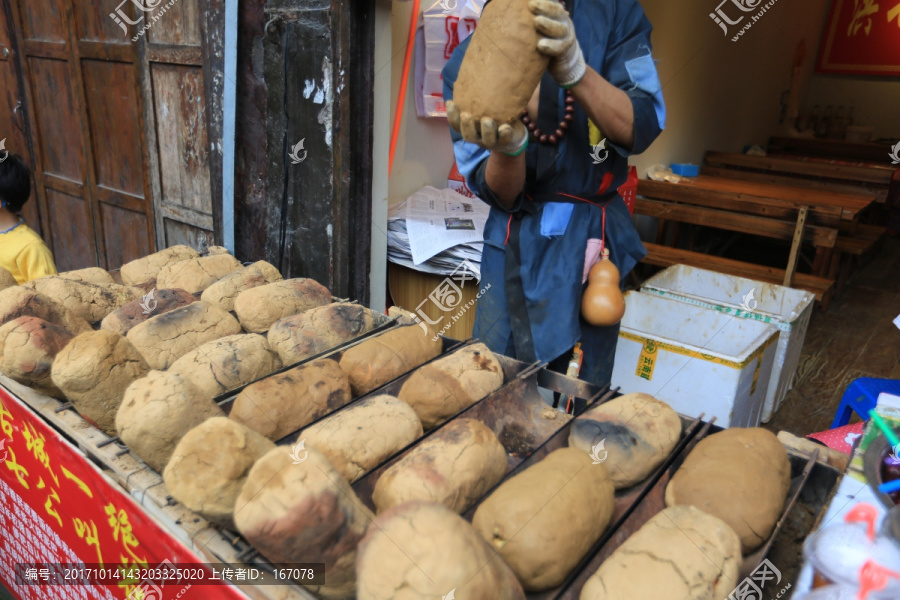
x=57 y=507
x=862 y=38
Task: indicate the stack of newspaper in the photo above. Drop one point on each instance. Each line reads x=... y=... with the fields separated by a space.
x=436 y=231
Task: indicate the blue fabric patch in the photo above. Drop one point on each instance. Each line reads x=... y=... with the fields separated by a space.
x=468 y=157
x=642 y=71
x=556 y=218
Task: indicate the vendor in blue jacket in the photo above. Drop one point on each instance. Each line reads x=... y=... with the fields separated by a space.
x=552 y=180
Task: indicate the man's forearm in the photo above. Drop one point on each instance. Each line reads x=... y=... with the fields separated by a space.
x=607 y=106
x=505 y=175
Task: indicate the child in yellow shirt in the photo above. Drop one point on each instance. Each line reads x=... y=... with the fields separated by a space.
x=22 y=251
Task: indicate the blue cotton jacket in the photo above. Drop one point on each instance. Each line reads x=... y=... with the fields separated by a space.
x=614 y=36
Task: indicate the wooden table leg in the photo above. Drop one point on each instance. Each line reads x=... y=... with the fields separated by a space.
x=660 y=232
x=835 y=265
x=795 y=247
x=822 y=261
x=846 y=268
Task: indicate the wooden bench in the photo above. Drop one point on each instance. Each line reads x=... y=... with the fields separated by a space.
x=860 y=242
x=759 y=210
x=863 y=230
x=857 y=246
x=664 y=256
x=851 y=250
x=874 y=152
x=734 y=221
x=880 y=193
x=855 y=181
x=811 y=173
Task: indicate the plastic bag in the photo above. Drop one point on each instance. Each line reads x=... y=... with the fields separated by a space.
x=447 y=23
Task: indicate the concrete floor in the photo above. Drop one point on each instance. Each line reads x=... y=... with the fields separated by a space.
x=854 y=338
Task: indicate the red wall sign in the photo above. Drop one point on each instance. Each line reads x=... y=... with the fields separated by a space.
x=862 y=38
x=56 y=507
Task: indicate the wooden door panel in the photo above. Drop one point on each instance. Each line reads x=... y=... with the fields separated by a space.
x=121 y=247
x=179 y=232
x=32 y=215
x=121 y=199
x=111 y=98
x=179 y=26
x=181 y=129
x=58 y=135
x=73 y=240
x=13 y=125
x=87 y=127
x=43 y=20
x=177 y=124
x=92 y=22
x=114 y=124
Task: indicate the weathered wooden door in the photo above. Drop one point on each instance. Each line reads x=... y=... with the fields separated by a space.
x=86 y=119
x=13 y=124
x=319 y=72
x=172 y=77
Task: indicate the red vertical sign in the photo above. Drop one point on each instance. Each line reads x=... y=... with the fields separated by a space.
x=56 y=507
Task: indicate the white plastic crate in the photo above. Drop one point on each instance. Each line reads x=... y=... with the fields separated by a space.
x=696 y=359
x=786 y=308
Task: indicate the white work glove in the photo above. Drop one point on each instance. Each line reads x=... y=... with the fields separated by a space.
x=508 y=139
x=552 y=22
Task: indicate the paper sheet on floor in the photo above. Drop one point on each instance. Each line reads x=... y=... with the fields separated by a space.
x=438 y=220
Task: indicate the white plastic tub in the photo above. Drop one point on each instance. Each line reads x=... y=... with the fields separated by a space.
x=786 y=308
x=698 y=360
